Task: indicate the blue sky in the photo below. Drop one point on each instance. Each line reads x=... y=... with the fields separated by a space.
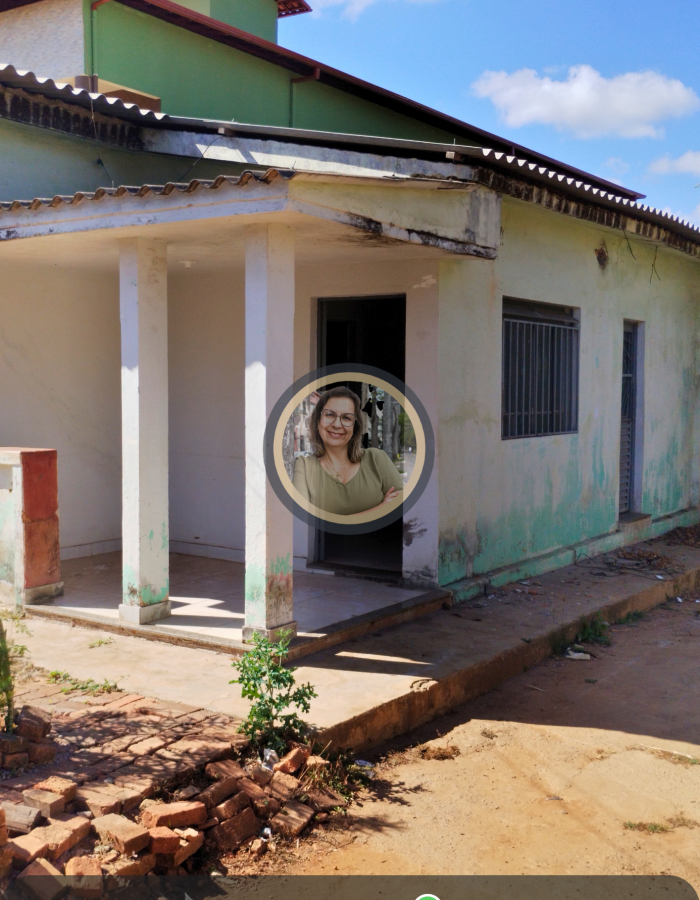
x=610 y=87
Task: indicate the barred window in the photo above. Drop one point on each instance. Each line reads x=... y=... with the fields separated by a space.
x=540 y=369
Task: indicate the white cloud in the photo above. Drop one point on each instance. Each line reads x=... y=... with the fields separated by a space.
x=353 y=8
x=616 y=165
x=587 y=104
x=688 y=163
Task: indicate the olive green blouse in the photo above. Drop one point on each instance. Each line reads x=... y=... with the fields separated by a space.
x=365 y=490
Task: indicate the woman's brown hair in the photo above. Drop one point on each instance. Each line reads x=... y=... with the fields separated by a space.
x=355 y=449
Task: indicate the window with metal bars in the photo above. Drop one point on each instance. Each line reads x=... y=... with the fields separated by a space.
x=540 y=370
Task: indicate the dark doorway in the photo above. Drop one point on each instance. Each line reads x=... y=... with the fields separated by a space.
x=368 y=331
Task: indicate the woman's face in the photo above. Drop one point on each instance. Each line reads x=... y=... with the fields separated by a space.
x=334 y=433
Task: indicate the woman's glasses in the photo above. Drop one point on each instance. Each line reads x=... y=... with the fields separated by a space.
x=347 y=420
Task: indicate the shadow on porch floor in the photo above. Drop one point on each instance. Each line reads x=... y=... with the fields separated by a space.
x=207 y=595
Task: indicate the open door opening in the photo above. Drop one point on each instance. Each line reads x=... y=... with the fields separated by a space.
x=367 y=331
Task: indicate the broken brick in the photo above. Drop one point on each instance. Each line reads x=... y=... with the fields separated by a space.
x=184 y=852
x=78 y=826
x=231 y=807
x=180 y=813
x=294 y=760
x=128 y=837
x=164 y=840
x=42 y=881
x=84 y=877
x=292 y=819
x=37 y=716
x=267 y=807
x=99 y=804
x=5 y=861
x=231 y=834
x=219 y=791
x=57 y=838
x=324 y=799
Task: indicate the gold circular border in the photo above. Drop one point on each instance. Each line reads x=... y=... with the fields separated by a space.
x=357 y=518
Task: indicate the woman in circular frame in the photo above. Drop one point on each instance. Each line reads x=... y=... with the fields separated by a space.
x=342 y=477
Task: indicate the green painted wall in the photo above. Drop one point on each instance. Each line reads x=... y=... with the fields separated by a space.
x=502 y=502
x=36 y=162
x=257 y=17
x=197 y=77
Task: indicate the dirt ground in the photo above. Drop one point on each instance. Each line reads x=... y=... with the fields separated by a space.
x=574 y=767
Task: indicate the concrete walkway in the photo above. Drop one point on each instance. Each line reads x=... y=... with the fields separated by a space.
x=384 y=684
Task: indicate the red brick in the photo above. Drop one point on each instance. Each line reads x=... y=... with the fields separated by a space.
x=5 y=861
x=175 y=814
x=294 y=760
x=15 y=760
x=129 y=798
x=3 y=835
x=231 y=834
x=49 y=803
x=283 y=786
x=231 y=807
x=184 y=852
x=250 y=788
x=146 y=747
x=163 y=840
x=292 y=819
x=41 y=753
x=324 y=799
x=58 y=839
x=62 y=786
x=267 y=808
x=36 y=714
x=132 y=868
x=12 y=743
x=128 y=837
x=42 y=881
x=227 y=768
x=84 y=877
x=78 y=826
x=144 y=784
x=218 y=792
x=99 y=804
x=27 y=847
x=126 y=700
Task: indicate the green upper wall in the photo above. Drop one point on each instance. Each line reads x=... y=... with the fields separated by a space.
x=202 y=78
x=257 y=17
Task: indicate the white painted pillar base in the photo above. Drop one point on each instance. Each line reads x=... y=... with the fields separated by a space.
x=144 y=343
x=269 y=332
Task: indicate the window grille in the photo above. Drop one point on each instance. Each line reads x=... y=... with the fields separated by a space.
x=540 y=370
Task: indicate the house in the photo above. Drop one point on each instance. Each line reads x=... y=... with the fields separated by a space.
x=192 y=249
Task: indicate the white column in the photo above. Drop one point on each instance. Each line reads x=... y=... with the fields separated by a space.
x=144 y=336
x=269 y=352
x=421 y=524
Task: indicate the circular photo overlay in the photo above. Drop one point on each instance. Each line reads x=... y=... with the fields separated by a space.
x=349 y=449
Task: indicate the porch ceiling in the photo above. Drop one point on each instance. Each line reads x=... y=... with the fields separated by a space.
x=210 y=244
x=203 y=222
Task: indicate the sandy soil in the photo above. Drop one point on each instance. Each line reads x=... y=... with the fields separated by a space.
x=550 y=769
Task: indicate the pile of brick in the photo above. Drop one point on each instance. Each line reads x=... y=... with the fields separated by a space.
x=94 y=815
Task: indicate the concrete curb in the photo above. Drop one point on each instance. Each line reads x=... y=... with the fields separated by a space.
x=416 y=707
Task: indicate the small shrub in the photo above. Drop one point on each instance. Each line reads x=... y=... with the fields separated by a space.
x=9 y=652
x=594 y=632
x=271 y=686
x=648 y=827
x=631 y=618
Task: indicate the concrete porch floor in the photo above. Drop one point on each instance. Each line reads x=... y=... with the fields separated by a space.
x=207 y=597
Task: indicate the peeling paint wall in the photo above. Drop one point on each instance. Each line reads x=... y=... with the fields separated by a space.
x=505 y=501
